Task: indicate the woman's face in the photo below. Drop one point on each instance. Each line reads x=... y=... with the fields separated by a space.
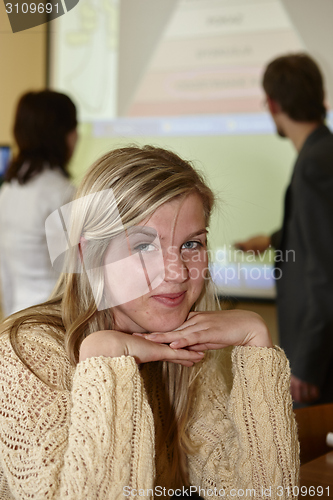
x=181 y=245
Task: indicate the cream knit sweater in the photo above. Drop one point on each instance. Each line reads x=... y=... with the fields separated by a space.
x=94 y=438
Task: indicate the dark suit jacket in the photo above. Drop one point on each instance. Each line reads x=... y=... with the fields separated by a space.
x=305 y=288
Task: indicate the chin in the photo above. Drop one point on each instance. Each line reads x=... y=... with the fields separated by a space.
x=165 y=324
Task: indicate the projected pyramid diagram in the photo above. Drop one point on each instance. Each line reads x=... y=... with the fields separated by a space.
x=209 y=58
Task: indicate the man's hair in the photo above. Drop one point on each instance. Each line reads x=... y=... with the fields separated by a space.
x=295 y=82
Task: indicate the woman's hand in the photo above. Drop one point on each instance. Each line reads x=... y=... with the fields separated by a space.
x=257 y=244
x=111 y=343
x=215 y=330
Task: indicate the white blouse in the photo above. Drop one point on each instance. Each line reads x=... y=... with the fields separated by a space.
x=26 y=274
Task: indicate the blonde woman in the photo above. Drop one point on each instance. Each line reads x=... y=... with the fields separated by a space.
x=115 y=387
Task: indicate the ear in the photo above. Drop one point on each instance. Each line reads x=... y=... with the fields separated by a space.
x=273 y=106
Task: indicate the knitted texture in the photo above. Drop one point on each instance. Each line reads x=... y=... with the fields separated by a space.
x=94 y=432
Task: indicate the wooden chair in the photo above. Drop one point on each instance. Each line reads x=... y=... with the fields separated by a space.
x=314 y=423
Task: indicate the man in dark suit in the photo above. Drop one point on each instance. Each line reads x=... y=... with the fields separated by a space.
x=294 y=91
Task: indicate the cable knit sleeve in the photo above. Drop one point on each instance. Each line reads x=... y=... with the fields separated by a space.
x=247 y=438
x=86 y=441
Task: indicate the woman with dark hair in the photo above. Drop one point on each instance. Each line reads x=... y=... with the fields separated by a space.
x=37 y=182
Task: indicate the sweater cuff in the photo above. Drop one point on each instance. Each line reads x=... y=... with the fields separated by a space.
x=263 y=367
x=99 y=365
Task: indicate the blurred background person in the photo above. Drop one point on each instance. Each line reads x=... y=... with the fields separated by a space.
x=36 y=183
x=294 y=90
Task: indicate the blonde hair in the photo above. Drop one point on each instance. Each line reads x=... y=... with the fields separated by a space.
x=141 y=180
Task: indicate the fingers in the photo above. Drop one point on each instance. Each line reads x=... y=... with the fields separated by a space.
x=308 y=393
x=144 y=352
x=240 y=245
x=181 y=356
x=191 y=339
x=314 y=392
x=174 y=339
x=192 y=319
x=303 y=392
x=184 y=357
x=189 y=326
x=200 y=347
x=159 y=338
x=215 y=330
x=181 y=362
x=196 y=341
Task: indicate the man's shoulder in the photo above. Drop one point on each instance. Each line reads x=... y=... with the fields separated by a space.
x=316 y=160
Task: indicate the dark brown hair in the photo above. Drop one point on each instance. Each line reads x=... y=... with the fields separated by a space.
x=295 y=82
x=42 y=123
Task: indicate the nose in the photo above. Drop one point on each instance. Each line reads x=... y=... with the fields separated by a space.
x=175 y=268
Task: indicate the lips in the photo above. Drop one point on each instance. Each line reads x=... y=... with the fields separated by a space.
x=170 y=299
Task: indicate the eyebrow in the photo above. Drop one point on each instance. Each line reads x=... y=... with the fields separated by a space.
x=197 y=233
x=148 y=231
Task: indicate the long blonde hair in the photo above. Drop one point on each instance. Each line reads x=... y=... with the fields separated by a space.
x=141 y=180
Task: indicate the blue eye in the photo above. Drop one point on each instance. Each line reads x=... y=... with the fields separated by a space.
x=145 y=247
x=192 y=245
